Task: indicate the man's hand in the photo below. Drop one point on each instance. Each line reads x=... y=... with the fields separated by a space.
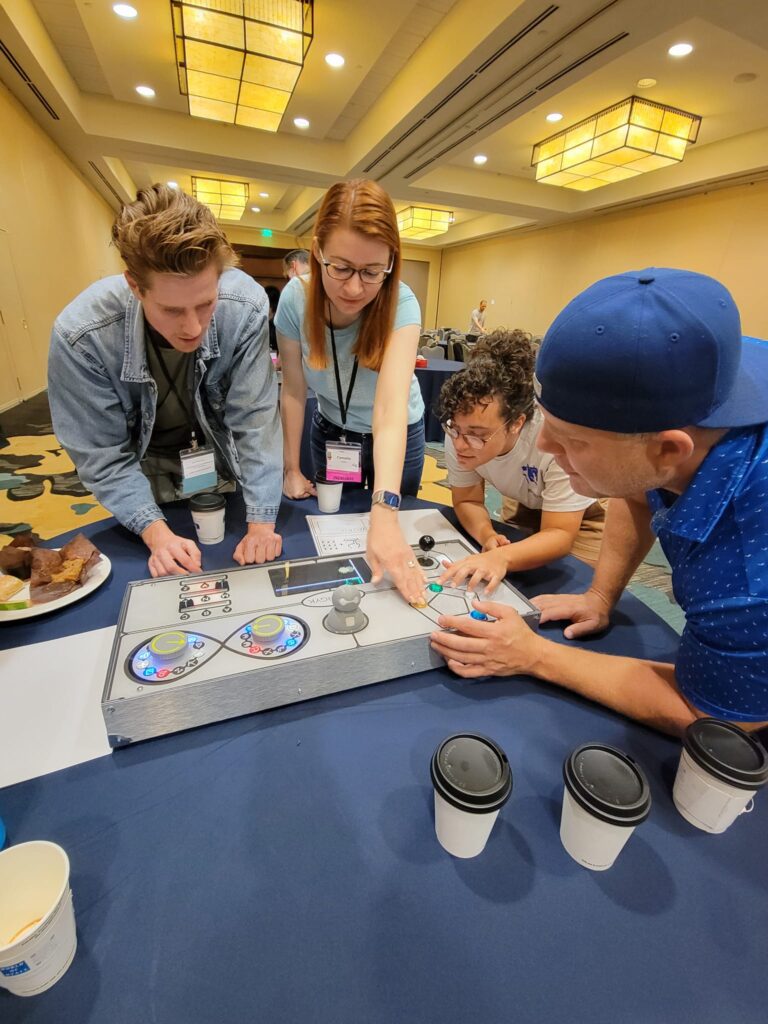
x=491 y=567
x=496 y=540
x=388 y=552
x=588 y=613
x=506 y=647
x=170 y=554
x=296 y=485
x=260 y=544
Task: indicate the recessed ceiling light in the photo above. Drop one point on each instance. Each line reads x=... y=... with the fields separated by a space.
x=301 y=122
x=335 y=60
x=264 y=195
x=554 y=116
x=255 y=209
x=124 y=10
x=646 y=83
x=172 y=184
x=680 y=50
x=480 y=158
x=146 y=91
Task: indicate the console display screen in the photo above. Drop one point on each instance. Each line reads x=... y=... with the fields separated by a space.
x=307 y=577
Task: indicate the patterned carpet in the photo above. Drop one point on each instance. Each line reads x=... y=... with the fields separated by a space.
x=40 y=490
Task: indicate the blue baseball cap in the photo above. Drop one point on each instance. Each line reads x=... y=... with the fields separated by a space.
x=652 y=350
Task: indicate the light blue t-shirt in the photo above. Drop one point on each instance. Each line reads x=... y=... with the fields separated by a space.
x=289 y=321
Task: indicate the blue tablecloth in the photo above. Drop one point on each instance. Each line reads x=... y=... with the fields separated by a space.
x=282 y=867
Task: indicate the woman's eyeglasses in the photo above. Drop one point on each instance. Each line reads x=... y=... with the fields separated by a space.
x=472 y=439
x=341 y=272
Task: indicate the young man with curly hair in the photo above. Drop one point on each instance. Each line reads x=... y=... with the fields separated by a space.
x=171 y=356
x=491 y=427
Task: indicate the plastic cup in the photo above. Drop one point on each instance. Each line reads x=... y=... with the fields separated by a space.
x=720 y=771
x=208 y=516
x=328 y=493
x=472 y=781
x=606 y=797
x=37 y=920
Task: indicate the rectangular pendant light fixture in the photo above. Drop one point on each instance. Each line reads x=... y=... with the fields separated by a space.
x=239 y=61
x=622 y=141
x=226 y=199
x=423 y=222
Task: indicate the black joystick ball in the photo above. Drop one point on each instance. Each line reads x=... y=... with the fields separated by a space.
x=426 y=543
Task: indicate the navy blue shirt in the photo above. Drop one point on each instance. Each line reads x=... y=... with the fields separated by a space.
x=715 y=536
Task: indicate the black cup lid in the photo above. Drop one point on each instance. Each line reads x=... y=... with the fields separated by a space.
x=471 y=772
x=727 y=752
x=207 y=502
x=607 y=783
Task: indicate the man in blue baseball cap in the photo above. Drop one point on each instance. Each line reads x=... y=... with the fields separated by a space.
x=651 y=396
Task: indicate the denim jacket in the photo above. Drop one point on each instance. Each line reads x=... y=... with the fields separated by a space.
x=103 y=398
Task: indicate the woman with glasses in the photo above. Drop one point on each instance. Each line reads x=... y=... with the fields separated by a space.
x=349 y=330
x=491 y=426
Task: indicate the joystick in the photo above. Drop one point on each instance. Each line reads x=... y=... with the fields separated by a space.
x=426 y=543
x=346 y=616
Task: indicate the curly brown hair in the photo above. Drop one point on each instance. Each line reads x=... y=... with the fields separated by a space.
x=166 y=231
x=501 y=367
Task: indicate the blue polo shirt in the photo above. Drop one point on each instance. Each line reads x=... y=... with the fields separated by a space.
x=715 y=536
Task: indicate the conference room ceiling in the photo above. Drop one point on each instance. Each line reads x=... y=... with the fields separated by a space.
x=426 y=86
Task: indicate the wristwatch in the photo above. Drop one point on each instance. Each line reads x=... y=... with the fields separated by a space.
x=388 y=498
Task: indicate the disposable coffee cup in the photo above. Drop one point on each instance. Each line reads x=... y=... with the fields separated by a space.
x=721 y=770
x=606 y=797
x=472 y=781
x=328 y=493
x=37 y=918
x=208 y=517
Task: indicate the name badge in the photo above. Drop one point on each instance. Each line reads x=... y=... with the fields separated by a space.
x=343 y=461
x=198 y=469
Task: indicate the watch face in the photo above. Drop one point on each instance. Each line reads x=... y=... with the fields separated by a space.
x=387 y=498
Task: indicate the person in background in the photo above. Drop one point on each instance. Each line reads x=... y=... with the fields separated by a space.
x=650 y=394
x=170 y=358
x=296 y=263
x=350 y=330
x=273 y=297
x=477 y=319
x=491 y=428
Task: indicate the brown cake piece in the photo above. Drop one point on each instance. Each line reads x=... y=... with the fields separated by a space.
x=81 y=547
x=16 y=561
x=28 y=539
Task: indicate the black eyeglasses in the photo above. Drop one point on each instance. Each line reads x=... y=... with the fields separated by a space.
x=342 y=272
x=472 y=439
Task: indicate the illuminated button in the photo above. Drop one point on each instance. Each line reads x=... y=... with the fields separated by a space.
x=163 y=672
x=291 y=643
x=167 y=646
x=149 y=671
x=480 y=616
x=266 y=627
x=254 y=650
x=191 y=639
x=436 y=587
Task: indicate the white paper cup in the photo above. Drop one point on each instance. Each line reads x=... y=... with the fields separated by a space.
x=208 y=516
x=606 y=797
x=328 y=493
x=721 y=770
x=472 y=781
x=37 y=919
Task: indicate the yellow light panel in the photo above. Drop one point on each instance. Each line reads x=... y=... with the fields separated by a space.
x=226 y=199
x=238 y=61
x=423 y=222
x=629 y=138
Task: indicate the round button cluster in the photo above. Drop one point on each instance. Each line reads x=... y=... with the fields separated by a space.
x=166 y=656
x=270 y=636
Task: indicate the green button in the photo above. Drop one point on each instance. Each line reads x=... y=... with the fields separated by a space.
x=435 y=587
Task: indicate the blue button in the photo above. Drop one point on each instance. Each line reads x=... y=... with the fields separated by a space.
x=291 y=643
x=149 y=671
x=481 y=616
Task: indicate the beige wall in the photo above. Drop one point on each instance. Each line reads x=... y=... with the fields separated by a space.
x=527 y=279
x=55 y=235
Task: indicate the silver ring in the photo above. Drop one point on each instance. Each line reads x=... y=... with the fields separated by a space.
x=411 y=565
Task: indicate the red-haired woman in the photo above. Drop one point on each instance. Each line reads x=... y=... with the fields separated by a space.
x=350 y=330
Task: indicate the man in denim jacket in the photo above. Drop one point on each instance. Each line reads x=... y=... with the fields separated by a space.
x=171 y=355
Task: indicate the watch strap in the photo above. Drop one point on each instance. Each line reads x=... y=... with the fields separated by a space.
x=388 y=498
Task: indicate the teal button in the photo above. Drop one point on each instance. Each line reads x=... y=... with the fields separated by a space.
x=435 y=587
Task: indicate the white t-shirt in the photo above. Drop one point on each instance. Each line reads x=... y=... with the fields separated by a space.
x=526 y=474
x=476 y=318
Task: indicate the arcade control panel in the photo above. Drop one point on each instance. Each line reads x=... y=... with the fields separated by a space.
x=190 y=650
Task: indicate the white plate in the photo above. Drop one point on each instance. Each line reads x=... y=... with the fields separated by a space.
x=98 y=576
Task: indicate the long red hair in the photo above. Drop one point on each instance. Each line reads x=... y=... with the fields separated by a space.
x=363 y=206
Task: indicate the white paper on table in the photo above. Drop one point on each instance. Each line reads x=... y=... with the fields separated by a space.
x=50 y=695
x=347 y=534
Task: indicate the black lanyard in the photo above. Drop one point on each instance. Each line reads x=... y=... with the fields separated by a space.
x=344 y=407
x=171 y=382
